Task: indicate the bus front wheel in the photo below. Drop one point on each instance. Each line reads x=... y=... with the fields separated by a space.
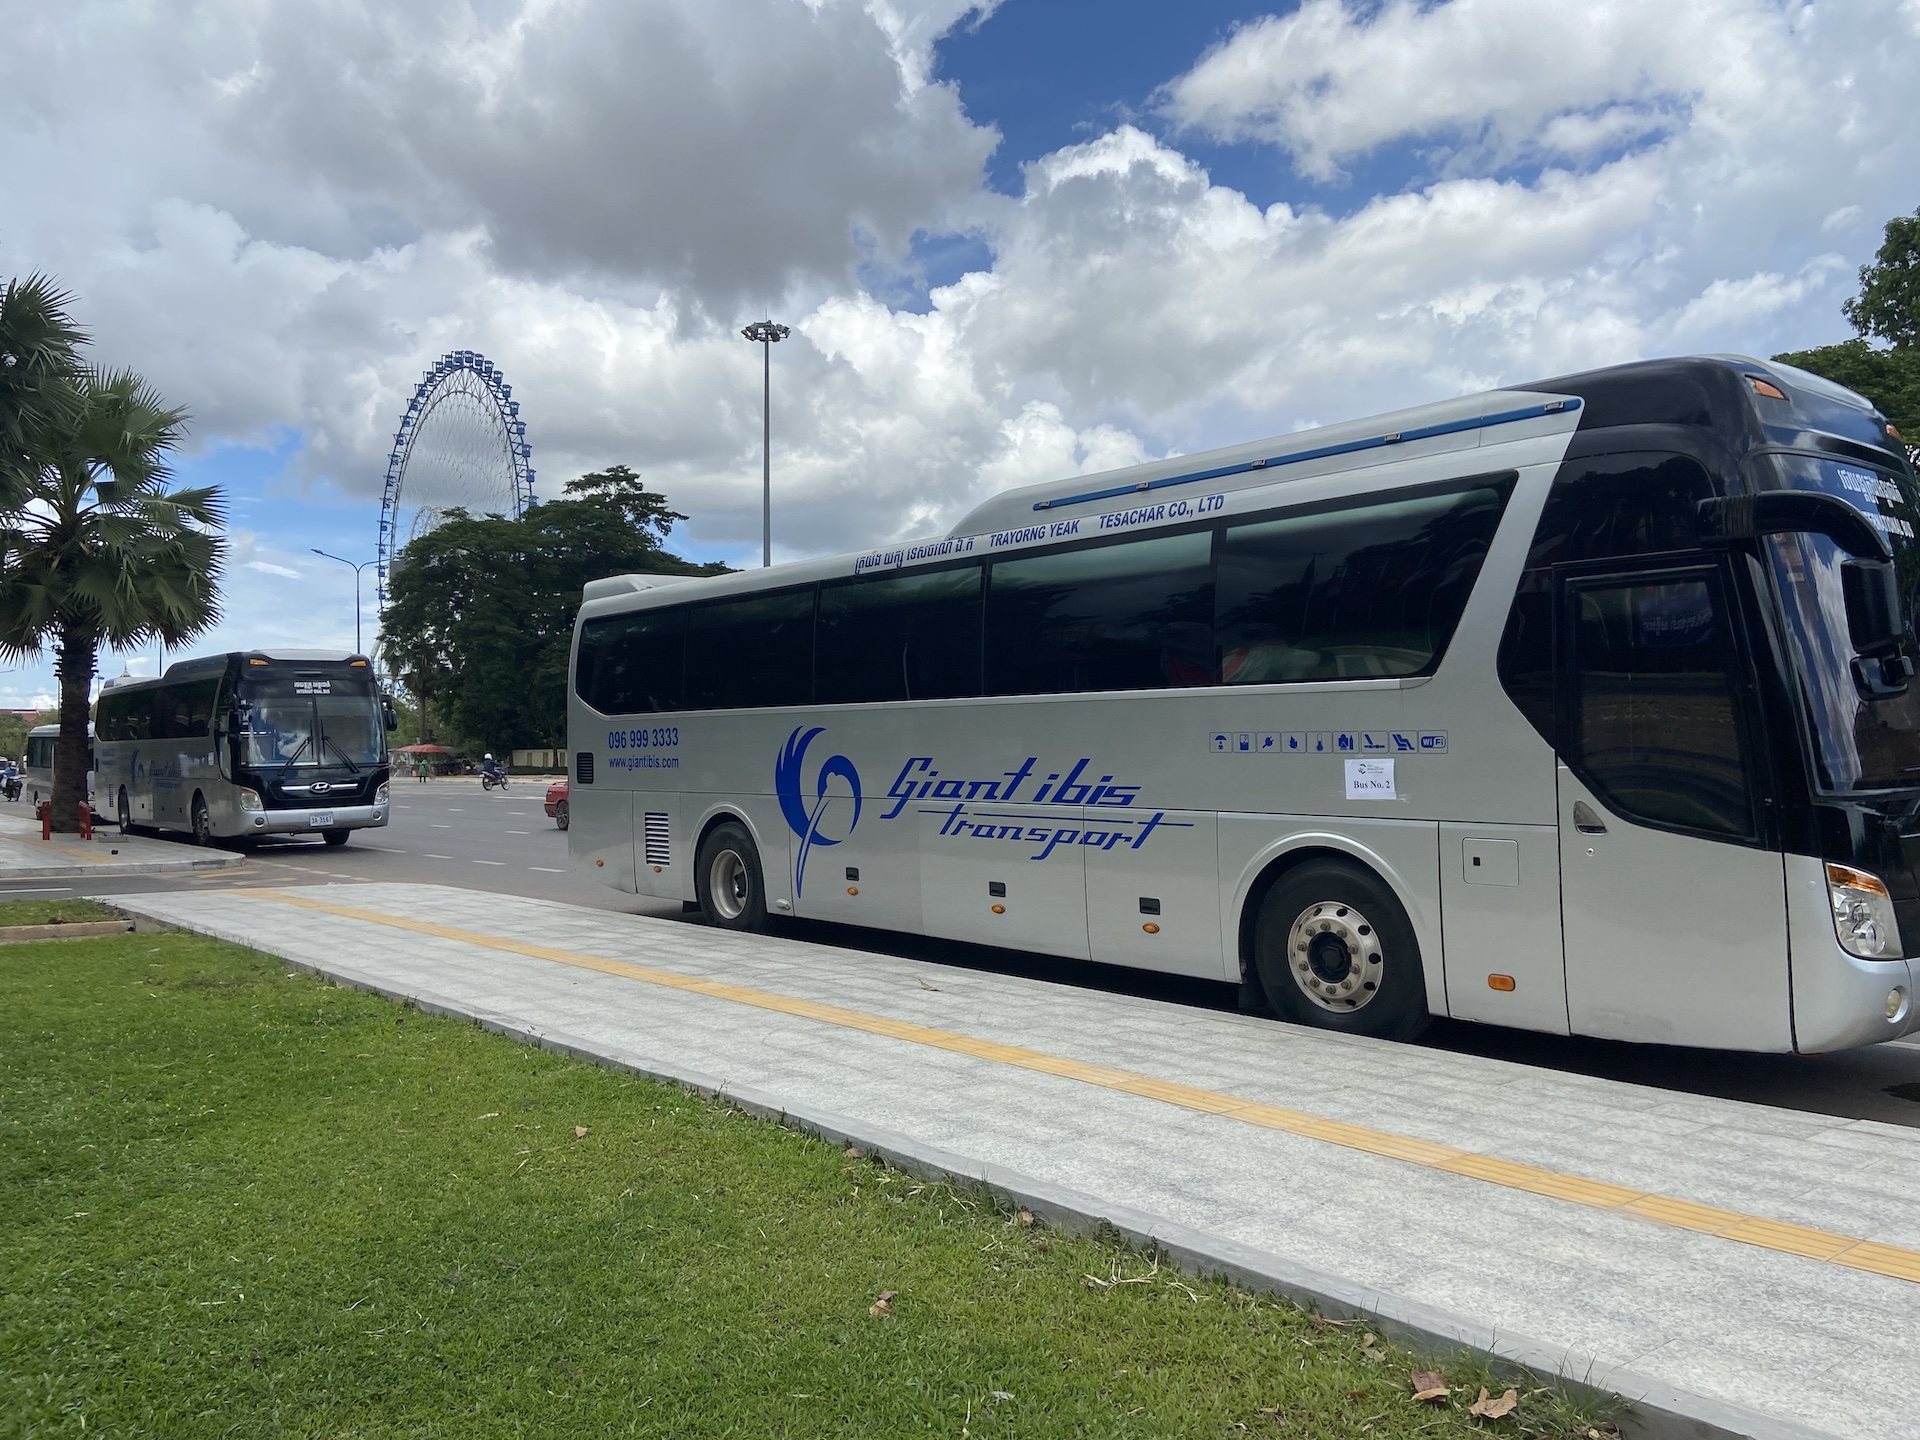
x=334 y=837
x=126 y=813
x=202 y=822
x=1335 y=950
x=727 y=878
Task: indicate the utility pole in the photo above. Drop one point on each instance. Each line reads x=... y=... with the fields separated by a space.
x=356 y=590
x=766 y=333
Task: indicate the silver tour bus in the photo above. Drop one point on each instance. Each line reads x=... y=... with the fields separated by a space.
x=1584 y=706
x=246 y=744
x=36 y=771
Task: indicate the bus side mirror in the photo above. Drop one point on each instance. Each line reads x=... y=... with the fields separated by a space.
x=1876 y=628
x=386 y=709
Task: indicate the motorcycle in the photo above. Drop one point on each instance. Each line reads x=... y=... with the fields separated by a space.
x=490 y=780
x=10 y=787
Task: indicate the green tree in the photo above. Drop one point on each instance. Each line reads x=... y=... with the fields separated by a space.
x=1888 y=305
x=479 y=618
x=96 y=548
x=1886 y=309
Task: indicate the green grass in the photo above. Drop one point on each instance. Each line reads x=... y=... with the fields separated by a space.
x=235 y=1201
x=45 y=912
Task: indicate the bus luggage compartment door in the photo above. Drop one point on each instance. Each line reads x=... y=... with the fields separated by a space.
x=1153 y=890
x=1016 y=878
x=1500 y=908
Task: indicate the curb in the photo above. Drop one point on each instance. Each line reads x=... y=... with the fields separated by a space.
x=1656 y=1410
x=109 y=869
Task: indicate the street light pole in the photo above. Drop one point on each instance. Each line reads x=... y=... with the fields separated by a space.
x=766 y=333
x=356 y=590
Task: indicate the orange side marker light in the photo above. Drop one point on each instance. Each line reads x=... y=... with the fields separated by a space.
x=1499 y=982
x=1151 y=928
x=999 y=909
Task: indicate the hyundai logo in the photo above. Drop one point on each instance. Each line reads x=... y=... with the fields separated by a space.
x=320 y=787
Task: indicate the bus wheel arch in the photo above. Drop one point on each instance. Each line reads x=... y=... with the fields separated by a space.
x=1336 y=896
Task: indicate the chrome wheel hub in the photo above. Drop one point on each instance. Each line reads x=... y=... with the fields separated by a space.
x=729 y=884
x=1333 y=954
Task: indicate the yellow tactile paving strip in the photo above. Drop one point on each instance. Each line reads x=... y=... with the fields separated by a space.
x=1847 y=1250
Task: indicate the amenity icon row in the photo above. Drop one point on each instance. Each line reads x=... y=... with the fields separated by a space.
x=1328 y=742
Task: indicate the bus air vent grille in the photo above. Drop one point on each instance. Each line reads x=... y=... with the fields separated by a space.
x=656 y=838
x=583 y=767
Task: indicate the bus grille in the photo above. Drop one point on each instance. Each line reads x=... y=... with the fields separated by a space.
x=656 y=838
x=583 y=767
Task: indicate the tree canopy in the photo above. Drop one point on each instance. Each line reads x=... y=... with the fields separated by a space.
x=480 y=610
x=1887 y=309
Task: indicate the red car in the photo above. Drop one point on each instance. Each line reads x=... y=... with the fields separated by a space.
x=557 y=803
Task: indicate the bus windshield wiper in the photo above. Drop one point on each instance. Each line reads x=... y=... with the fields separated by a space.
x=334 y=745
x=298 y=750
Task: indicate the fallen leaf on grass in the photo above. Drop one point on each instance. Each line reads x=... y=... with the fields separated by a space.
x=884 y=1305
x=1358 y=1394
x=491 y=1115
x=1026 y=1216
x=1493 y=1409
x=1429 y=1385
x=1374 y=1353
x=1001 y=1394
x=925 y=986
x=579 y=1132
x=854 y=1152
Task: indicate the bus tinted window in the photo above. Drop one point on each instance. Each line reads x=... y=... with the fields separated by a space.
x=1654 y=724
x=183 y=711
x=633 y=663
x=752 y=652
x=124 y=717
x=903 y=637
x=1134 y=616
x=1364 y=590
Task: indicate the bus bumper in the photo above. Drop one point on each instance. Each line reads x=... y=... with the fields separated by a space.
x=332 y=817
x=1840 y=1000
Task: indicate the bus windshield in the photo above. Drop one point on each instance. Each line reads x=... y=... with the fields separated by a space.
x=299 y=722
x=1858 y=743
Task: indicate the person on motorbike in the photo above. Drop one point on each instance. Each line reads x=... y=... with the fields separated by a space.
x=9 y=779
x=492 y=772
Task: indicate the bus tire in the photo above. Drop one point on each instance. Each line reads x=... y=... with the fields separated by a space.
x=202 y=822
x=334 y=837
x=126 y=813
x=727 y=878
x=562 y=814
x=1335 y=950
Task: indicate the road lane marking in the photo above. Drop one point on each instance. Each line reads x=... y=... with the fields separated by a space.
x=546 y=869
x=518 y=832
x=1835 y=1249
x=41 y=890
x=442 y=827
x=439 y=857
x=383 y=849
x=489 y=862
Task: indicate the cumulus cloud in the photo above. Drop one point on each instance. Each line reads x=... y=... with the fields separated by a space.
x=291 y=209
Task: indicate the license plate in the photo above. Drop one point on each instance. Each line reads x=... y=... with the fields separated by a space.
x=320 y=818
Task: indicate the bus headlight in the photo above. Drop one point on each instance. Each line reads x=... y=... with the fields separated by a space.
x=1862 y=914
x=380 y=795
x=249 y=799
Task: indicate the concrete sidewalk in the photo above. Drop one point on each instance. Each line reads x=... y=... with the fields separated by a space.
x=25 y=856
x=1756 y=1270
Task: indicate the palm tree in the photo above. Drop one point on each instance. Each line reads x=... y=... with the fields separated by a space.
x=39 y=360
x=94 y=548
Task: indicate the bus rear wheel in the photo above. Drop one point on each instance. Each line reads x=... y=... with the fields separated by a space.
x=727 y=878
x=1335 y=950
x=126 y=813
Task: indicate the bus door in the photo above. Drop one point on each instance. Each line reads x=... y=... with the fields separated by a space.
x=1671 y=906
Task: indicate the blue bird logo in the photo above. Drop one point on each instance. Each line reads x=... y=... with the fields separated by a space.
x=803 y=815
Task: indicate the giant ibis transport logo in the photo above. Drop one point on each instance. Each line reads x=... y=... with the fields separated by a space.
x=804 y=812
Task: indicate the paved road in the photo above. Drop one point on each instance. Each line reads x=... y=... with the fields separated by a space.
x=450 y=832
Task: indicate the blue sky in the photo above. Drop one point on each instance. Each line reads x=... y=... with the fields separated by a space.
x=1053 y=240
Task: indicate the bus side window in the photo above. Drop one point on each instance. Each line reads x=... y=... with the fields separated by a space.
x=899 y=637
x=1352 y=591
x=1132 y=616
x=752 y=652
x=1654 y=724
x=633 y=664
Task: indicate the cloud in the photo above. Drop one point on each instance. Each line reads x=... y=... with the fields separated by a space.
x=267 y=567
x=292 y=209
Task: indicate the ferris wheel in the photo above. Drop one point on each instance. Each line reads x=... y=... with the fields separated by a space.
x=461 y=444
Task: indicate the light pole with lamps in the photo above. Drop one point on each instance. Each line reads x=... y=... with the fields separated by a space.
x=765 y=333
x=356 y=590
